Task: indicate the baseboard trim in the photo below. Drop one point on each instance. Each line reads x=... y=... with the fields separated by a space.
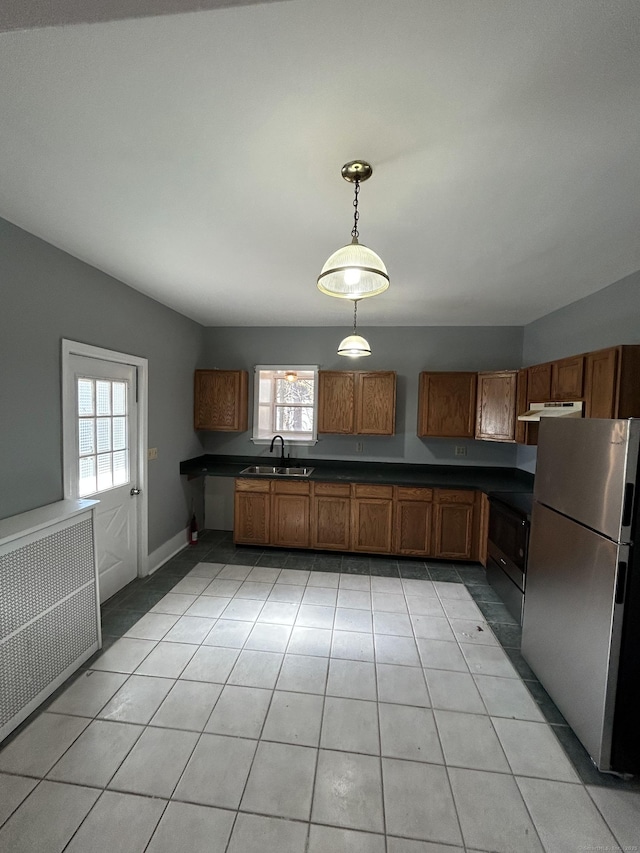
x=169 y=549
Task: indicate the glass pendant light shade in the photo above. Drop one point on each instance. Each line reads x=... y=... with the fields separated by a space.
x=353 y=272
x=354 y=346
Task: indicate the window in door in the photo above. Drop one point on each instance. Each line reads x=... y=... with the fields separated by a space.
x=285 y=403
x=103 y=428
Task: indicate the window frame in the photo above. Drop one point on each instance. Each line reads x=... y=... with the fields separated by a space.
x=288 y=437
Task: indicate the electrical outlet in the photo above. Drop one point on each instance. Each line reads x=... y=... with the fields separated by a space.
x=359 y=446
x=461 y=450
x=152 y=453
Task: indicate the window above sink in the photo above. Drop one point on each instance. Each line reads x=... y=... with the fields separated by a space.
x=285 y=403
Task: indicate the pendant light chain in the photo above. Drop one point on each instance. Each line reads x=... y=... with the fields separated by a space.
x=354 y=271
x=355 y=314
x=356 y=215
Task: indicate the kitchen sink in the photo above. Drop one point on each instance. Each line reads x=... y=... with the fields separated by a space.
x=271 y=471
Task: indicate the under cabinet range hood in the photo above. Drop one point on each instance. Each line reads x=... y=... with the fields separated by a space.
x=537 y=411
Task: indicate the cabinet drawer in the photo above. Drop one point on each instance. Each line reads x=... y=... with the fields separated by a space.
x=366 y=491
x=454 y=496
x=406 y=493
x=248 y=485
x=334 y=490
x=290 y=487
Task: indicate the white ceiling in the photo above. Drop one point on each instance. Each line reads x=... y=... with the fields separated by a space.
x=197 y=156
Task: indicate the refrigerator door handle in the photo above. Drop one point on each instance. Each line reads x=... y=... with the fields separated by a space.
x=628 y=504
x=621 y=583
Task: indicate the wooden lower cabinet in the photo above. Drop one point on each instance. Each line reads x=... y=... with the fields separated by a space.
x=454 y=524
x=331 y=516
x=252 y=512
x=290 y=521
x=372 y=518
x=358 y=517
x=413 y=521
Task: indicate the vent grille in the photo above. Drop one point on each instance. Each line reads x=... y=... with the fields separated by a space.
x=36 y=656
x=49 y=620
x=37 y=575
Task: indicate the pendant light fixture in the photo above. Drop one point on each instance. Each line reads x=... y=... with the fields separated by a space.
x=354 y=346
x=354 y=271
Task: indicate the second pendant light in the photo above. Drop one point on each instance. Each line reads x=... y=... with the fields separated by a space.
x=354 y=345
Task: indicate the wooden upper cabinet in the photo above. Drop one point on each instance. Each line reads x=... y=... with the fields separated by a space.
x=336 y=401
x=612 y=383
x=356 y=403
x=600 y=383
x=496 y=408
x=447 y=404
x=567 y=378
x=539 y=383
x=522 y=404
x=376 y=403
x=221 y=400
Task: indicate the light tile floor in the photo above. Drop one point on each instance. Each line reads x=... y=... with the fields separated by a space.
x=251 y=707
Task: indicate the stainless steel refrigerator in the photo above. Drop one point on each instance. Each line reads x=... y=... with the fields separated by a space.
x=581 y=626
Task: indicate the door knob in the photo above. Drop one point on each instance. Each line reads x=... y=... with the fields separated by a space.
x=134 y=492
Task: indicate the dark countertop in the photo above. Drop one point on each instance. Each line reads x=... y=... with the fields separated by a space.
x=520 y=501
x=486 y=479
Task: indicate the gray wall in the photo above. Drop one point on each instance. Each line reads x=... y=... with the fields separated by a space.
x=405 y=350
x=47 y=295
x=606 y=318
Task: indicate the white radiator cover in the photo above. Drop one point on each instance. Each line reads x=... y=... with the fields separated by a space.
x=49 y=605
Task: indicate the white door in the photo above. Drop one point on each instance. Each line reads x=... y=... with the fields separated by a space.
x=104 y=461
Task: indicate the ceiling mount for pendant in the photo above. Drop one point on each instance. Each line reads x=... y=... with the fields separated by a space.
x=357 y=170
x=354 y=271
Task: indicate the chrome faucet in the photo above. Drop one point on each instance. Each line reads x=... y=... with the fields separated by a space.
x=282 y=459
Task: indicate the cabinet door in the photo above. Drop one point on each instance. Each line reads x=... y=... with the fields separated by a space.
x=539 y=383
x=627 y=382
x=290 y=520
x=521 y=407
x=221 y=400
x=413 y=522
x=453 y=524
x=446 y=404
x=496 y=410
x=566 y=378
x=331 y=516
x=600 y=384
x=376 y=403
x=252 y=512
x=336 y=401
x=372 y=518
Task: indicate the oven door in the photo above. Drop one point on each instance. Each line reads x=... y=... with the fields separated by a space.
x=511 y=595
x=507 y=557
x=509 y=534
